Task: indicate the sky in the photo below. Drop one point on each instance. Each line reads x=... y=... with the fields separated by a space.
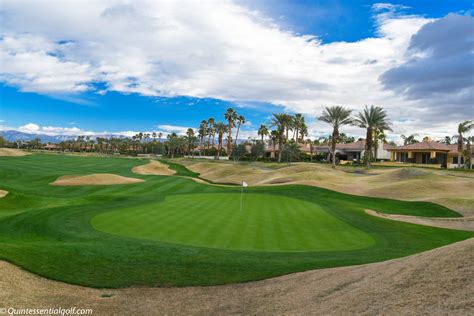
x=117 y=66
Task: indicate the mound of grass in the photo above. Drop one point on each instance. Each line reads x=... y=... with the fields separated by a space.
x=185 y=233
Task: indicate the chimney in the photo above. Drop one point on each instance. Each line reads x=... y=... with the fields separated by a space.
x=427 y=139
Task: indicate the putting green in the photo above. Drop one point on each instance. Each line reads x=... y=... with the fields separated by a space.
x=266 y=223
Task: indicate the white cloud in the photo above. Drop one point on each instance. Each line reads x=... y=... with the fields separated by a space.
x=213 y=49
x=30 y=128
x=168 y=129
x=33 y=128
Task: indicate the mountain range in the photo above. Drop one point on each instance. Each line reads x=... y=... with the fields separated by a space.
x=12 y=135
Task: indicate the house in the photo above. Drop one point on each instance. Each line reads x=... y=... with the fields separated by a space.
x=355 y=150
x=427 y=152
x=50 y=146
x=303 y=147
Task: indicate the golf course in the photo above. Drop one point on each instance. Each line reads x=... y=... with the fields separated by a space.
x=114 y=227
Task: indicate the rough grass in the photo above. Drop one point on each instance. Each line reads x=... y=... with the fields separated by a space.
x=47 y=229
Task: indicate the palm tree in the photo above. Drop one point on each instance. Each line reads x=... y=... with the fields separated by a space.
x=173 y=143
x=153 y=135
x=202 y=131
x=262 y=131
x=463 y=128
x=146 y=137
x=373 y=118
x=230 y=116
x=190 y=137
x=336 y=116
x=410 y=139
x=311 y=148
x=220 y=130
x=240 y=121
x=274 y=136
x=446 y=140
x=298 y=124
x=469 y=141
x=288 y=124
x=279 y=120
x=140 y=137
x=303 y=131
x=209 y=131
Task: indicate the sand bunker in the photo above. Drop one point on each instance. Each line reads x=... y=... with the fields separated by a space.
x=437 y=282
x=460 y=223
x=3 y=193
x=11 y=152
x=154 y=167
x=95 y=179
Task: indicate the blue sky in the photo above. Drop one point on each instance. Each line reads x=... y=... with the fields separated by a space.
x=259 y=57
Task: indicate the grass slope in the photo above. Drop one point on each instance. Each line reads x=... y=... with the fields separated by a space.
x=47 y=229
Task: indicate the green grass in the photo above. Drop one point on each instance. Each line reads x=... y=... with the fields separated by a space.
x=266 y=223
x=172 y=231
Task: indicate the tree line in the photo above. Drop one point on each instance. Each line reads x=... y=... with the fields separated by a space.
x=284 y=131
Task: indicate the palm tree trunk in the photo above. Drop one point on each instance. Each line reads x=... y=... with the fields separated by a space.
x=333 y=149
x=280 y=145
x=376 y=148
x=460 y=146
x=237 y=134
x=335 y=136
x=229 y=143
x=368 y=145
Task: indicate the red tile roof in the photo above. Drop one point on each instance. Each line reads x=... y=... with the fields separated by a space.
x=358 y=145
x=430 y=146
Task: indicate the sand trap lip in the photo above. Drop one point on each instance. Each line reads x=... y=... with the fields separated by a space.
x=3 y=193
x=460 y=223
x=11 y=152
x=154 y=167
x=94 y=179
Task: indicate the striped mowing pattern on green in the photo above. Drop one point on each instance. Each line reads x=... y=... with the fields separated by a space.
x=266 y=223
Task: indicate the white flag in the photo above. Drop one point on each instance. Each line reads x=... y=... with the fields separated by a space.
x=244 y=184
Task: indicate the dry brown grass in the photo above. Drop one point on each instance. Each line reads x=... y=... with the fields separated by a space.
x=154 y=167
x=94 y=179
x=434 y=282
x=451 y=189
x=460 y=223
x=11 y=152
x=3 y=193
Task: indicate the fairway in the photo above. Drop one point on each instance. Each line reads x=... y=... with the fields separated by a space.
x=172 y=231
x=266 y=222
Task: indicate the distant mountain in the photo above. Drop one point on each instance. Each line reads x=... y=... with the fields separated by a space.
x=12 y=136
